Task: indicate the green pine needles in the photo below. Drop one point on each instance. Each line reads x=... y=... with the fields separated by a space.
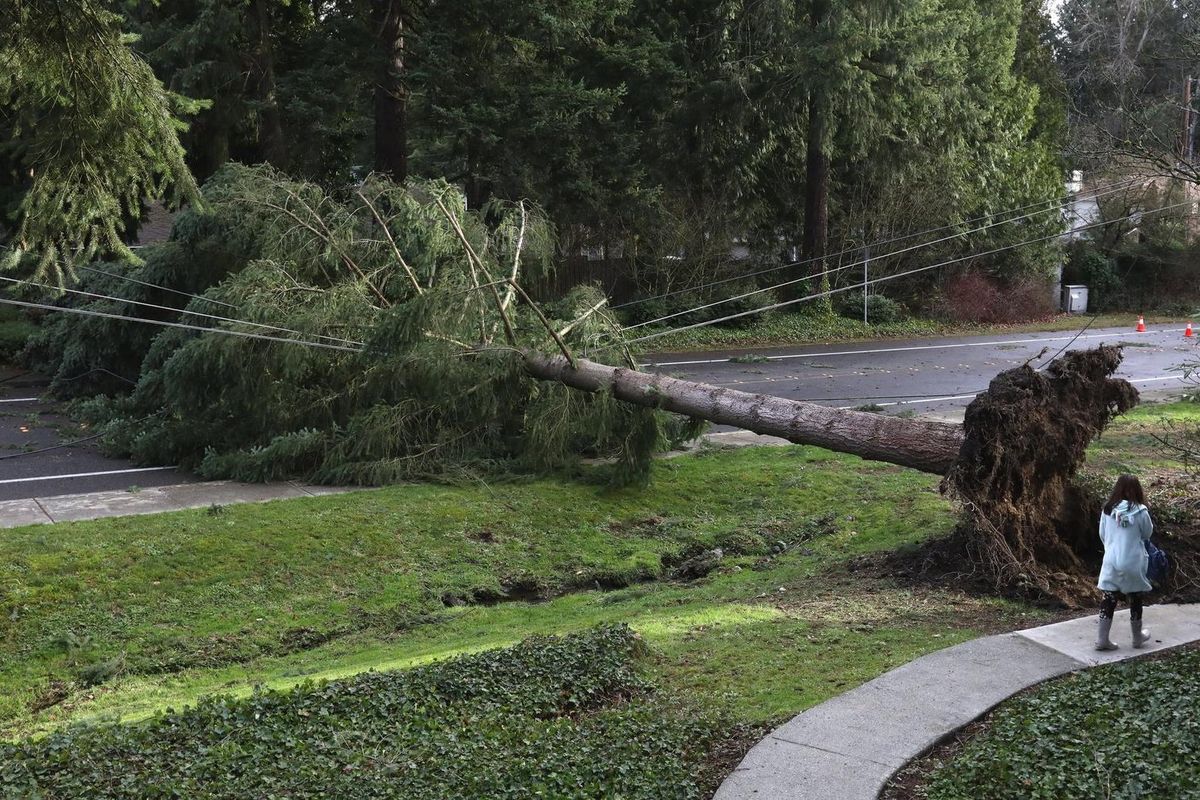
x=89 y=130
x=413 y=319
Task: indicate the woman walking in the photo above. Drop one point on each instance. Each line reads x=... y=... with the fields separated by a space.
x=1125 y=526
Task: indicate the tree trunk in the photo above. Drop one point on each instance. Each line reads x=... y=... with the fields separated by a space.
x=271 y=133
x=391 y=95
x=1028 y=526
x=926 y=446
x=816 y=186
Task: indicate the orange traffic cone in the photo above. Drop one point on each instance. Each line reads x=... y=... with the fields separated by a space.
x=1141 y=328
x=1188 y=332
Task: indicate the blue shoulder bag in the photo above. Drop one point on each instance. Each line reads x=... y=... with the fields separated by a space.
x=1156 y=570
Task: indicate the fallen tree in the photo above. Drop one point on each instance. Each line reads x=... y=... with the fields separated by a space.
x=920 y=444
x=432 y=359
x=1010 y=465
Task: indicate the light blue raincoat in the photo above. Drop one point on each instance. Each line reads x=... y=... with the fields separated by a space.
x=1124 y=533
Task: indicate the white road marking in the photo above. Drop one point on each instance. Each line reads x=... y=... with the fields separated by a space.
x=20 y=400
x=966 y=396
x=1150 y=380
x=1109 y=335
x=909 y=402
x=85 y=475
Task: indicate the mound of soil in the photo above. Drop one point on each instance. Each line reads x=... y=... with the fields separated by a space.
x=1028 y=526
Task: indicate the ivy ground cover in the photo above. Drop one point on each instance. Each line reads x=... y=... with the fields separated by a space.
x=556 y=718
x=1126 y=732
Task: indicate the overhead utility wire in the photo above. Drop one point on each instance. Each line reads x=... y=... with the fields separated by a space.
x=177 y=310
x=307 y=343
x=157 y=286
x=1061 y=204
x=246 y=334
x=70 y=443
x=864 y=284
x=832 y=270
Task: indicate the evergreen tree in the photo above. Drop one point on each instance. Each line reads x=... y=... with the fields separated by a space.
x=91 y=133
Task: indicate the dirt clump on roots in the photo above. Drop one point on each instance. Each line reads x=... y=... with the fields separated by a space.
x=1028 y=527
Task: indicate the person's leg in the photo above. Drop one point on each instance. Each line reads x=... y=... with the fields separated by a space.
x=1108 y=605
x=1140 y=634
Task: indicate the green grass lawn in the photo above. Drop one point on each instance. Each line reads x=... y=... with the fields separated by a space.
x=1122 y=731
x=158 y=611
x=117 y=620
x=1130 y=443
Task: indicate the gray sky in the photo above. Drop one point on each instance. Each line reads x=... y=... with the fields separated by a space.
x=1054 y=6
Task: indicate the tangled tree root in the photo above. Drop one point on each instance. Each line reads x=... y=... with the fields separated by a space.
x=1029 y=528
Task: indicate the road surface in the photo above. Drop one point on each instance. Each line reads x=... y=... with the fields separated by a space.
x=29 y=425
x=936 y=377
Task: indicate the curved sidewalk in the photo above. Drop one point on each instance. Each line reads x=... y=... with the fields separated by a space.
x=848 y=747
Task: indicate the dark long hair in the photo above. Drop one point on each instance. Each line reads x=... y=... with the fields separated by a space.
x=1126 y=488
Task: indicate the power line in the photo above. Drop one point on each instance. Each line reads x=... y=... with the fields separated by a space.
x=15 y=376
x=157 y=286
x=248 y=335
x=1062 y=204
x=98 y=296
x=905 y=274
x=93 y=371
x=185 y=326
x=52 y=447
x=1063 y=349
x=832 y=270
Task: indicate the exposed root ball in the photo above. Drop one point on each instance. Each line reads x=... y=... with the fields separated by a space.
x=1025 y=439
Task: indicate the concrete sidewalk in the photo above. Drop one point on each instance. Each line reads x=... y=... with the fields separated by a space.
x=94 y=505
x=849 y=747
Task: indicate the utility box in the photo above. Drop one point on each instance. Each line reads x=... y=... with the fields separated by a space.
x=1075 y=299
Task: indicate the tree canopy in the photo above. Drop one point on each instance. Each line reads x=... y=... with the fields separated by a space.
x=640 y=127
x=89 y=133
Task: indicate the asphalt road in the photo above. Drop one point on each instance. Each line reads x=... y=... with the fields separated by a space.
x=936 y=377
x=29 y=423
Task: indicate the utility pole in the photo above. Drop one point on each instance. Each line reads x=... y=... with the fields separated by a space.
x=1191 y=127
x=1186 y=147
x=866 y=263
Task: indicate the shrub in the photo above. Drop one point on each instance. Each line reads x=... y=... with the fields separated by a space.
x=14 y=331
x=974 y=297
x=1088 y=266
x=552 y=717
x=1137 y=277
x=881 y=309
x=658 y=307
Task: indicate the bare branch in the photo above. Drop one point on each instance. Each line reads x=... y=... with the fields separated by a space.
x=412 y=276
